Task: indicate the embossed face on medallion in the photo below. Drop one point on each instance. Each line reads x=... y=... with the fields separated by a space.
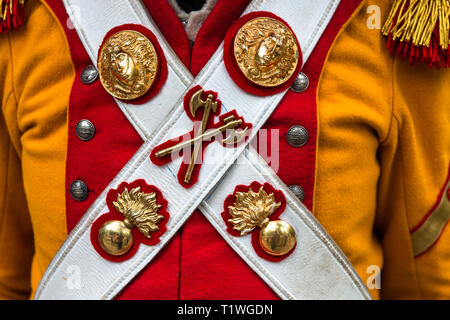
x=127 y=64
x=124 y=67
x=266 y=51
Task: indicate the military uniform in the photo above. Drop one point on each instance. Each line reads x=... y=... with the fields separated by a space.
x=364 y=143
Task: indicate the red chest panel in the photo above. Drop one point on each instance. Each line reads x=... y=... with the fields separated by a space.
x=197 y=263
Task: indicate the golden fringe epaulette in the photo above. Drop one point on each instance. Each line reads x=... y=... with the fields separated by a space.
x=11 y=14
x=418 y=30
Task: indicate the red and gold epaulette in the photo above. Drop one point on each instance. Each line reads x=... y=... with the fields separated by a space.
x=11 y=14
x=418 y=30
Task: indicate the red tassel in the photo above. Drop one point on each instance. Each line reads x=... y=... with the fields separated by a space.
x=11 y=14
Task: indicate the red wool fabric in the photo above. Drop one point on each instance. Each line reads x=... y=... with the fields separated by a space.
x=169 y=24
x=161 y=75
x=190 y=135
x=197 y=263
x=98 y=161
x=235 y=72
x=113 y=214
x=279 y=197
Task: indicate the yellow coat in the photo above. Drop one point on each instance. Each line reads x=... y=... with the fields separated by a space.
x=383 y=155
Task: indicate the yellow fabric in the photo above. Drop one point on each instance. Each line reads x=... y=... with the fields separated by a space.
x=36 y=76
x=383 y=155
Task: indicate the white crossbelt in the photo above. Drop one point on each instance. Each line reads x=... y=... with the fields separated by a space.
x=317 y=269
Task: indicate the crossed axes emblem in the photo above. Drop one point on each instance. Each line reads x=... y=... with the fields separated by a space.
x=231 y=124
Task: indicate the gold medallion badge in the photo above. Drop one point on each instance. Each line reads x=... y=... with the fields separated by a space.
x=140 y=210
x=252 y=209
x=128 y=64
x=266 y=52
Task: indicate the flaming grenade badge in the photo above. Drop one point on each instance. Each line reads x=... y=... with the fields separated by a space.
x=252 y=209
x=140 y=210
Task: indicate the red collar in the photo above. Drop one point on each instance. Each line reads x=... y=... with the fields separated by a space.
x=209 y=37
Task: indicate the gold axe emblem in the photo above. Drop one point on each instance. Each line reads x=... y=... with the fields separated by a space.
x=195 y=104
x=231 y=123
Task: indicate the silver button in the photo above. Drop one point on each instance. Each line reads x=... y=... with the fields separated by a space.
x=89 y=74
x=298 y=192
x=78 y=190
x=301 y=83
x=297 y=136
x=85 y=130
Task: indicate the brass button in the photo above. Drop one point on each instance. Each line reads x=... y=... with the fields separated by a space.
x=297 y=136
x=301 y=83
x=115 y=237
x=85 y=130
x=266 y=52
x=277 y=237
x=78 y=190
x=89 y=75
x=128 y=64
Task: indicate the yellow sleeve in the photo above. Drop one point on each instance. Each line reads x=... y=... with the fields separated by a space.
x=382 y=160
x=354 y=112
x=16 y=238
x=412 y=182
x=35 y=61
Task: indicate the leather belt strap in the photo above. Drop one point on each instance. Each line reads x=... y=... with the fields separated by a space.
x=297 y=277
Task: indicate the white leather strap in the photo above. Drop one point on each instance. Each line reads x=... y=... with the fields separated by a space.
x=317 y=269
x=308 y=18
x=294 y=278
x=93 y=19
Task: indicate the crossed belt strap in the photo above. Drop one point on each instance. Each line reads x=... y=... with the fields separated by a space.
x=314 y=269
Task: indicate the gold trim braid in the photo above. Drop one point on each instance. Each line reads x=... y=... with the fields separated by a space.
x=415 y=21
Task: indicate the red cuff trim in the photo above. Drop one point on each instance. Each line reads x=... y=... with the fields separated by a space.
x=161 y=76
x=113 y=214
x=235 y=72
x=279 y=197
